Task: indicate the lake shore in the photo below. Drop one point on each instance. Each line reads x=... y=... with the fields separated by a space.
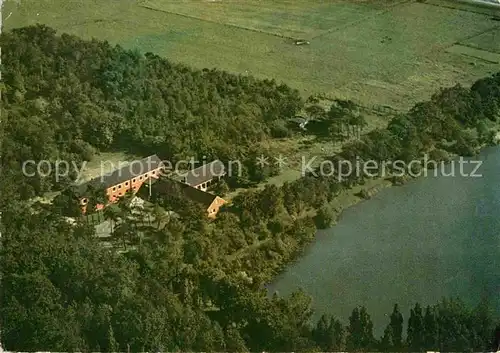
x=355 y=195
x=429 y=239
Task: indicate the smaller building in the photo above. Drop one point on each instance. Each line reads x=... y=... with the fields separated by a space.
x=204 y=176
x=164 y=186
x=302 y=42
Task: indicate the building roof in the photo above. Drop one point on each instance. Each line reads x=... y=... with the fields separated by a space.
x=205 y=173
x=125 y=173
x=169 y=186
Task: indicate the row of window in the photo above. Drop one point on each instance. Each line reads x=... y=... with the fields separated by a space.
x=127 y=183
x=113 y=196
x=204 y=185
x=140 y=178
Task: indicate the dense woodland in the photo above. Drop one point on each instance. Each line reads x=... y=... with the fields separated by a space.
x=184 y=283
x=65 y=98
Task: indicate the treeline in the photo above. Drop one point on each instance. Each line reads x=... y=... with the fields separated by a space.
x=456 y=120
x=66 y=98
x=64 y=291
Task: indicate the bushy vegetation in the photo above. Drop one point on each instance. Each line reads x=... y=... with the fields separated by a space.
x=175 y=288
x=179 y=282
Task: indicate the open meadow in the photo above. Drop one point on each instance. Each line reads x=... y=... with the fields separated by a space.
x=377 y=52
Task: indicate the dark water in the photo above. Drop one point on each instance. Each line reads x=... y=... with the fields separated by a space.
x=436 y=236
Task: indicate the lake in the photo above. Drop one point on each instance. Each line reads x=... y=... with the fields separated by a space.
x=433 y=237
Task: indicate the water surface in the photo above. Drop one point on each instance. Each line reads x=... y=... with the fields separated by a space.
x=436 y=236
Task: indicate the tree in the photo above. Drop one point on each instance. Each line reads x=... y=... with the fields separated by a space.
x=320 y=332
x=483 y=131
x=431 y=332
x=358 y=122
x=329 y=334
x=456 y=102
x=96 y=196
x=112 y=345
x=324 y=217
x=159 y=215
x=397 y=327
x=221 y=188
x=112 y=214
x=415 y=334
x=387 y=341
x=495 y=341
x=483 y=324
x=315 y=112
x=67 y=204
x=271 y=200
x=279 y=129
x=360 y=330
x=234 y=341
x=123 y=231
x=459 y=327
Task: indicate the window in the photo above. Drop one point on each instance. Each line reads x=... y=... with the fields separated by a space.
x=84 y=201
x=119 y=186
x=133 y=180
x=126 y=183
x=140 y=178
x=153 y=172
x=114 y=188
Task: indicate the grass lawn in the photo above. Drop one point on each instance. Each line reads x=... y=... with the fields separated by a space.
x=104 y=163
x=489 y=41
x=374 y=51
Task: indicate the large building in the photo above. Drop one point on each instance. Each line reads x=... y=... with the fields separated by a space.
x=206 y=175
x=127 y=178
x=210 y=202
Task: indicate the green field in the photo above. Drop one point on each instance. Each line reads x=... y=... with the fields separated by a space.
x=289 y=19
x=488 y=41
x=484 y=55
x=377 y=52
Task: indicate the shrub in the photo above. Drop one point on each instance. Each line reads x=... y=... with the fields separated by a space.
x=439 y=155
x=324 y=218
x=279 y=129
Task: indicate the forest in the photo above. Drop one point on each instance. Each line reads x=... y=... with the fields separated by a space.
x=65 y=98
x=185 y=283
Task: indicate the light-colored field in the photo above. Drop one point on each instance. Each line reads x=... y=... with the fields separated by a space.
x=284 y=18
x=484 y=55
x=103 y=164
x=375 y=52
x=487 y=41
